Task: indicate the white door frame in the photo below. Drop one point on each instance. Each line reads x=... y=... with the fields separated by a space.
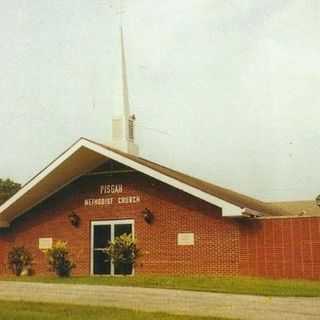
x=112 y=223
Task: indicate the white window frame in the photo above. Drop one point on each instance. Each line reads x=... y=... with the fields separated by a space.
x=112 y=223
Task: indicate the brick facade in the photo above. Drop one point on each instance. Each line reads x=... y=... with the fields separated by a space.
x=287 y=248
x=281 y=248
x=4 y=246
x=216 y=247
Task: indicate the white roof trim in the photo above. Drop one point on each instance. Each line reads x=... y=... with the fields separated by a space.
x=41 y=175
x=228 y=209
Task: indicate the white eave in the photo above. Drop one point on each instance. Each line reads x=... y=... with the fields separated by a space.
x=81 y=158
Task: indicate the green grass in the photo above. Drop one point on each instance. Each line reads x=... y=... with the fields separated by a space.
x=241 y=285
x=50 y=311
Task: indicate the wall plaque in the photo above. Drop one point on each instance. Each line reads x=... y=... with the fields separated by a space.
x=45 y=243
x=186 y=239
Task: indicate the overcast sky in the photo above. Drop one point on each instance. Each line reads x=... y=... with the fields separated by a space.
x=225 y=90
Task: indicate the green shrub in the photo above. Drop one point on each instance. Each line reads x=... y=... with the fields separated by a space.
x=19 y=259
x=123 y=250
x=58 y=259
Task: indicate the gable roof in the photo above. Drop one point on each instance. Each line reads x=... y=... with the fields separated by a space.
x=85 y=155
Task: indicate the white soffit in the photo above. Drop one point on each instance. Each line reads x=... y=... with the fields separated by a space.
x=60 y=173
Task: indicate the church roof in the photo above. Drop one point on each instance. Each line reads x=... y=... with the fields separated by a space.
x=225 y=194
x=86 y=155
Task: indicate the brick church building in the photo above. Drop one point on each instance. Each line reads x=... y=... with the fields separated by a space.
x=183 y=225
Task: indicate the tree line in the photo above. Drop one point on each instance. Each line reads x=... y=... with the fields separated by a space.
x=7 y=189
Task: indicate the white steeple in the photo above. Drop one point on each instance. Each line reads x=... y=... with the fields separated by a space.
x=123 y=130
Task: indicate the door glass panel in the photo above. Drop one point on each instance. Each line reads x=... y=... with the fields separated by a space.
x=100 y=265
x=101 y=237
x=120 y=229
x=122 y=268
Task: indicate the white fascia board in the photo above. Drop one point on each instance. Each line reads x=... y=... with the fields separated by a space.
x=228 y=209
x=41 y=175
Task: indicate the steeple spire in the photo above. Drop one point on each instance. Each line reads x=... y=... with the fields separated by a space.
x=123 y=130
x=125 y=91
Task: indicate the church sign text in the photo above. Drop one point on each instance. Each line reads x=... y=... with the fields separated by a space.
x=111 y=189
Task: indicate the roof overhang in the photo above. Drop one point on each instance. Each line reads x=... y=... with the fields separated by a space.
x=81 y=158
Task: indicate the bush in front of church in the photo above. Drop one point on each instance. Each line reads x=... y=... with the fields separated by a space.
x=58 y=259
x=20 y=261
x=123 y=250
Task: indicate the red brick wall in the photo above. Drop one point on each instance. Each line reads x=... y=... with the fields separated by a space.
x=216 y=249
x=4 y=245
x=281 y=248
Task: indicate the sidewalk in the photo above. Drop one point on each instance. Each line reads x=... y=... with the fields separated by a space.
x=169 y=301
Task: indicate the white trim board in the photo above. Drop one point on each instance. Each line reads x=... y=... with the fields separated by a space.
x=40 y=176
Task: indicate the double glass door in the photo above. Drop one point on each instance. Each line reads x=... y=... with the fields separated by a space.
x=101 y=233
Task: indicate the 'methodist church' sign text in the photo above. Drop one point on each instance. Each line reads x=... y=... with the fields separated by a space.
x=112 y=194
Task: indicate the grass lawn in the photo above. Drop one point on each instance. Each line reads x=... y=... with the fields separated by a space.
x=44 y=311
x=241 y=285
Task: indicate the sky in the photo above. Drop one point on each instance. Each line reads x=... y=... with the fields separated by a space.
x=224 y=90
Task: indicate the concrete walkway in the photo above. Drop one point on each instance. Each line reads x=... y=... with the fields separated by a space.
x=170 y=301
